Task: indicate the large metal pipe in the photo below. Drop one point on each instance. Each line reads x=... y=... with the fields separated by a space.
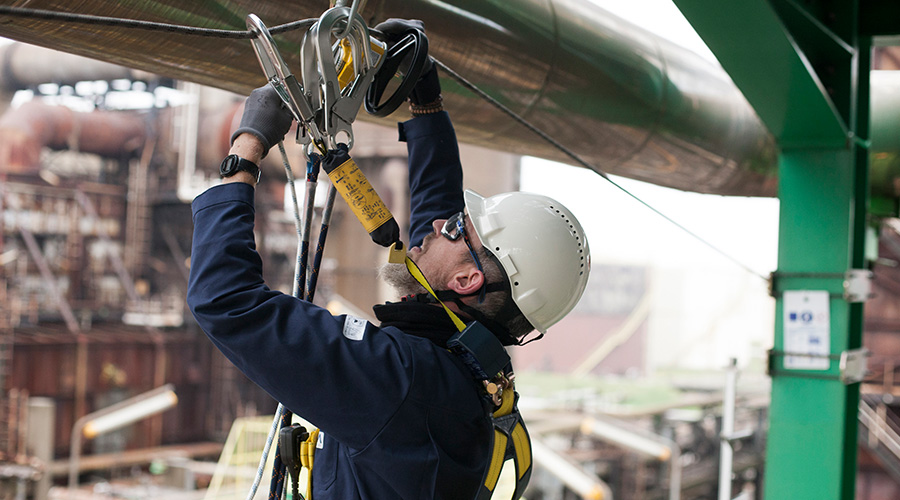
x=625 y=99
x=885 y=157
x=23 y=66
x=653 y=446
x=628 y=101
x=28 y=129
x=585 y=485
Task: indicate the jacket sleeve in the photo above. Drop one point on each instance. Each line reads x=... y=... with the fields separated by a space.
x=435 y=172
x=342 y=374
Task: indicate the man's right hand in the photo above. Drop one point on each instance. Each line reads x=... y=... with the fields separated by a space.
x=265 y=117
x=428 y=88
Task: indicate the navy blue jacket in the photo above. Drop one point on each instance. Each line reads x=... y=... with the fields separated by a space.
x=402 y=417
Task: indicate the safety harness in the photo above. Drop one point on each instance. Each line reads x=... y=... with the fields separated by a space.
x=491 y=368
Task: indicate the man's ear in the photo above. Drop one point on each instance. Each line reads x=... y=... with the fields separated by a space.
x=466 y=281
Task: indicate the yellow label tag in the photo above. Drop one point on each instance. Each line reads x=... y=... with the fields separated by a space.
x=397 y=255
x=359 y=194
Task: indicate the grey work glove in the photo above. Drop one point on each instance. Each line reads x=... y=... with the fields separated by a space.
x=266 y=117
x=428 y=88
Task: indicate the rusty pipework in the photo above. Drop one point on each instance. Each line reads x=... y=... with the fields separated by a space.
x=23 y=66
x=34 y=125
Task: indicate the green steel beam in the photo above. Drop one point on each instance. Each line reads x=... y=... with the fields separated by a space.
x=826 y=45
x=764 y=60
x=805 y=70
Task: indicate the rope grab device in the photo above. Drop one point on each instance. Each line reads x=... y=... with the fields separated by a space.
x=343 y=65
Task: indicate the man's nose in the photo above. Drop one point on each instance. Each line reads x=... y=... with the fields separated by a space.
x=438 y=224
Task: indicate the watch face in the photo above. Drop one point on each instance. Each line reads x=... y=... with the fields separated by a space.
x=229 y=166
x=233 y=164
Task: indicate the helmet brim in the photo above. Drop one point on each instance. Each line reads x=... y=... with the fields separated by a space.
x=475 y=207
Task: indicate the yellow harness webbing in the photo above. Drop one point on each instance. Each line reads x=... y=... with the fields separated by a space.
x=509 y=439
x=307 y=455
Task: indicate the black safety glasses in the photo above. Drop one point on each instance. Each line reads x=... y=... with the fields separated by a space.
x=452 y=230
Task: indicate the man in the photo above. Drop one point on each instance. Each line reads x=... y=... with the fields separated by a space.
x=401 y=416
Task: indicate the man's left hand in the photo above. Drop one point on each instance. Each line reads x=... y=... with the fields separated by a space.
x=265 y=117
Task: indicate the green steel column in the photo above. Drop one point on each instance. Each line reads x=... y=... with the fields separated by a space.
x=811 y=451
x=804 y=68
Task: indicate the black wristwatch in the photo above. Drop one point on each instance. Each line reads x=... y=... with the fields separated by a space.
x=233 y=164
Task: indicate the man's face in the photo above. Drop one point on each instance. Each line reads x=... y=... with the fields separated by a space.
x=439 y=259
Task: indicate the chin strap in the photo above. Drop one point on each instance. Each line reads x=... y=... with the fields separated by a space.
x=417 y=274
x=508 y=311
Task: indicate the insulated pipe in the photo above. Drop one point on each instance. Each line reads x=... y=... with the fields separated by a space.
x=885 y=133
x=23 y=66
x=28 y=129
x=626 y=100
x=587 y=486
x=623 y=98
x=656 y=447
x=114 y=417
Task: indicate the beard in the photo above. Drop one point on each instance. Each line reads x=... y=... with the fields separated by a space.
x=399 y=278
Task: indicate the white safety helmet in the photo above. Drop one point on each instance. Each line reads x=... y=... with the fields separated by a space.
x=542 y=248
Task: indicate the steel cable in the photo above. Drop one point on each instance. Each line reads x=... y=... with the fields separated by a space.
x=575 y=157
x=119 y=22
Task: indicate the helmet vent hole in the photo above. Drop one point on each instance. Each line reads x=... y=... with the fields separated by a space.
x=497 y=248
x=516 y=283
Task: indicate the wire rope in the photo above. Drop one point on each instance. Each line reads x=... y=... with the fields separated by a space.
x=578 y=159
x=119 y=22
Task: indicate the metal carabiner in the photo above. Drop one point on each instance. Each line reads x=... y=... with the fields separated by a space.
x=355 y=7
x=284 y=82
x=341 y=104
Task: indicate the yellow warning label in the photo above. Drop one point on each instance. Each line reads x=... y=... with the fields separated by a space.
x=359 y=194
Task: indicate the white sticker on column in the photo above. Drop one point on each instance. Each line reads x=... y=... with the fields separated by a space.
x=354 y=328
x=807 y=329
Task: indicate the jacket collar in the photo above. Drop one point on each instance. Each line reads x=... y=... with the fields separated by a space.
x=417 y=319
